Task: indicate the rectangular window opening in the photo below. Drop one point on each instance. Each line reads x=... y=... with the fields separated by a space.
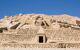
x=40 y=39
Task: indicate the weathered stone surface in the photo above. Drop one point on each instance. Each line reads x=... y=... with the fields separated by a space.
x=61 y=30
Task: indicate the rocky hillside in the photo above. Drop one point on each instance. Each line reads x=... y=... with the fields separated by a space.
x=23 y=21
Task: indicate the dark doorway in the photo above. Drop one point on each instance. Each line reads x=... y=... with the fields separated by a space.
x=40 y=39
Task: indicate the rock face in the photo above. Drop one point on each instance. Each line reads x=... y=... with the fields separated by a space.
x=46 y=21
x=52 y=29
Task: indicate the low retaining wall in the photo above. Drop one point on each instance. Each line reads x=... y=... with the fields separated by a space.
x=30 y=45
x=69 y=45
x=51 y=45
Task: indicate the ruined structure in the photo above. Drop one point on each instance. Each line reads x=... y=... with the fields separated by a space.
x=40 y=31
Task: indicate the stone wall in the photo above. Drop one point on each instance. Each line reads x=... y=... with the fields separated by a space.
x=50 y=45
x=64 y=35
x=30 y=45
x=7 y=38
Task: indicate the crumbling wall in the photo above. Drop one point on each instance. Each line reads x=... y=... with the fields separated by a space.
x=7 y=38
x=63 y=35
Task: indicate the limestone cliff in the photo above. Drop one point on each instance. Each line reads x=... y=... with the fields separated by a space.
x=23 y=21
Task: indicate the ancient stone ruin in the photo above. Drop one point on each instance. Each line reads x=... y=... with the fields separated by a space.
x=40 y=31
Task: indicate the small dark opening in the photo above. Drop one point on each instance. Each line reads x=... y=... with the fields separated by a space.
x=42 y=24
x=1 y=31
x=40 y=39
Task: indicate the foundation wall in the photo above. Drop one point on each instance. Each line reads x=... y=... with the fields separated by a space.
x=10 y=38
